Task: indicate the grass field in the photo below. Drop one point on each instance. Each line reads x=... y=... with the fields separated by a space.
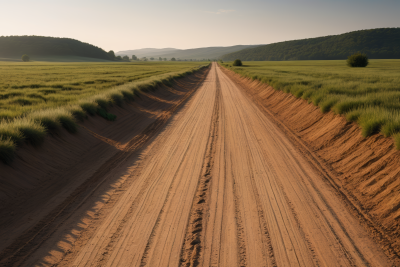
x=369 y=96
x=38 y=97
x=25 y=87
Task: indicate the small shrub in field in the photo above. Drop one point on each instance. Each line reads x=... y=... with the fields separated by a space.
x=357 y=60
x=237 y=62
x=7 y=150
x=25 y=58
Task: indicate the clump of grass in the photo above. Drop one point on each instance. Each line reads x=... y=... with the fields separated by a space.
x=47 y=119
x=128 y=95
x=10 y=132
x=7 y=150
x=327 y=104
x=136 y=92
x=117 y=98
x=78 y=113
x=53 y=119
x=67 y=121
x=108 y=116
x=396 y=138
x=372 y=119
x=346 y=105
x=102 y=102
x=89 y=107
x=32 y=131
x=391 y=127
x=353 y=115
x=316 y=98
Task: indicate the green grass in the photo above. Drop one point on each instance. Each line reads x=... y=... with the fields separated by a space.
x=369 y=96
x=29 y=86
x=7 y=150
x=37 y=98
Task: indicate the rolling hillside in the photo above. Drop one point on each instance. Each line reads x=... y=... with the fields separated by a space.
x=195 y=53
x=381 y=43
x=147 y=52
x=48 y=47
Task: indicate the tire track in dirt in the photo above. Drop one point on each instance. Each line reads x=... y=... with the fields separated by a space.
x=241 y=235
x=194 y=237
x=27 y=243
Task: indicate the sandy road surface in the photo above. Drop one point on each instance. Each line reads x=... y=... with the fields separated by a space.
x=220 y=185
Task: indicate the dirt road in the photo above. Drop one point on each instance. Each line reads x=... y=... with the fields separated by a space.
x=219 y=185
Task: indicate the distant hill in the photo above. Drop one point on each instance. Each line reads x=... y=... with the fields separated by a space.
x=39 y=46
x=146 y=52
x=381 y=43
x=195 y=53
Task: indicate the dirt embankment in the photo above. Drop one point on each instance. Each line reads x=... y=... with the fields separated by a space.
x=367 y=169
x=42 y=177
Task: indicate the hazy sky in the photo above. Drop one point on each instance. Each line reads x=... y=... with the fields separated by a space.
x=131 y=24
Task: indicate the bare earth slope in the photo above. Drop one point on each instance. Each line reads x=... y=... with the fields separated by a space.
x=219 y=185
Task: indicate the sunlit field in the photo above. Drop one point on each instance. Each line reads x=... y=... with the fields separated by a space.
x=37 y=98
x=25 y=87
x=369 y=96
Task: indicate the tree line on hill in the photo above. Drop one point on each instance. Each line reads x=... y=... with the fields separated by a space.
x=16 y=46
x=381 y=43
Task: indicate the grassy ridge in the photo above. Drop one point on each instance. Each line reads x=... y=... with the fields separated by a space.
x=369 y=96
x=30 y=122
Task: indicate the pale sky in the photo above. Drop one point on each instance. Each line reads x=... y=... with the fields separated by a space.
x=122 y=24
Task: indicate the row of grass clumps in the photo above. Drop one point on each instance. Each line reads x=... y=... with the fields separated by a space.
x=33 y=127
x=374 y=109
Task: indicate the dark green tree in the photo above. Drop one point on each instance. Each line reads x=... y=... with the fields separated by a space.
x=25 y=58
x=357 y=60
x=237 y=62
x=134 y=57
x=111 y=54
x=173 y=59
x=160 y=59
x=152 y=58
x=125 y=58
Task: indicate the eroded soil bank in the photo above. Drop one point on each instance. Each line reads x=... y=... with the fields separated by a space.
x=367 y=170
